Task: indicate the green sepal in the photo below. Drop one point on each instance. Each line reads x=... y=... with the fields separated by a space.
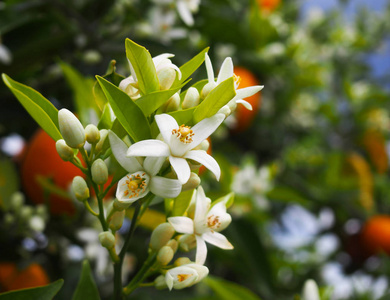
x=182 y=202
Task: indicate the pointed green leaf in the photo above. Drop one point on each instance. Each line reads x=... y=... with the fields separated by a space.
x=105 y=121
x=191 y=66
x=143 y=67
x=86 y=288
x=181 y=203
x=227 y=290
x=46 y=292
x=82 y=88
x=151 y=102
x=127 y=112
x=40 y=109
x=228 y=199
x=184 y=116
x=214 y=101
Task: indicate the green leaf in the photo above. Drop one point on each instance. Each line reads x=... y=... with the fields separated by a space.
x=184 y=116
x=127 y=112
x=286 y=194
x=9 y=182
x=40 y=109
x=151 y=102
x=46 y=292
x=82 y=91
x=227 y=290
x=86 y=288
x=217 y=98
x=143 y=67
x=191 y=66
x=105 y=121
x=181 y=203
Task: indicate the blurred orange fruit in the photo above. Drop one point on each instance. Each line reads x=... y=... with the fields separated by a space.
x=244 y=117
x=268 y=5
x=13 y=279
x=42 y=160
x=376 y=234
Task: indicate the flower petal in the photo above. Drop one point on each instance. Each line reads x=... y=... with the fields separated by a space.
x=205 y=159
x=182 y=224
x=157 y=59
x=217 y=239
x=181 y=167
x=124 y=195
x=153 y=164
x=149 y=148
x=201 y=250
x=246 y=104
x=209 y=69
x=185 y=13
x=169 y=280
x=165 y=187
x=119 y=149
x=205 y=128
x=202 y=207
x=226 y=70
x=182 y=277
x=248 y=91
x=166 y=124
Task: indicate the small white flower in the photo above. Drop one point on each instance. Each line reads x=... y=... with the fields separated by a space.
x=185 y=9
x=178 y=142
x=185 y=276
x=161 y=62
x=226 y=72
x=141 y=178
x=205 y=226
x=5 y=55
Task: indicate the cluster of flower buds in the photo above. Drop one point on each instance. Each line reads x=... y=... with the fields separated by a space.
x=27 y=219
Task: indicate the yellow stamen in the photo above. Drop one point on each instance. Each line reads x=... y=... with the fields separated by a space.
x=213 y=222
x=184 y=134
x=135 y=185
x=182 y=277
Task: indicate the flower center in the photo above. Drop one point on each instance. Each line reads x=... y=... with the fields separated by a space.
x=182 y=277
x=213 y=222
x=184 y=134
x=135 y=185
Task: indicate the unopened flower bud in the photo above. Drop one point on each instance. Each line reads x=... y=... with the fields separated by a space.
x=92 y=134
x=117 y=220
x=80 y=188
x=107 y=239
x=36 y=223
x=173 y=103
x=192 y=183
x=204 y=145
x=182 y=261
x=99 y=172
x=165 y=255
x=119 y=206
x=173 y=244
x=161 y=236
x=187 y=242
x=191 y=98
x=103 y=135
x=207 y=89
x=159 y=282
x=65 y=152
x=225 y=110
x=17 y=200
x=71 y=129
x=166 y=77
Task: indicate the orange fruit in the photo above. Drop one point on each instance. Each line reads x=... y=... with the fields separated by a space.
x=244 y=117
x=13 y=279
x=42 y=160
x=376 y=234
x=268 y=5
x=375 y=144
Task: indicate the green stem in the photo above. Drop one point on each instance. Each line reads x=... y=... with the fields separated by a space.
x=89 y=208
